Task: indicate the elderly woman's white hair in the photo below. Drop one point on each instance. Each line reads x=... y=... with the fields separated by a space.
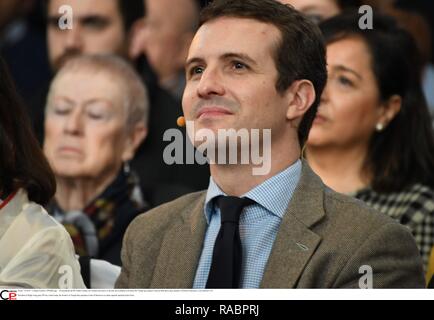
x=136 y=100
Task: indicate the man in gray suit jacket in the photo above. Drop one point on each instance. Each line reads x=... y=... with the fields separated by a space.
x=261 y=65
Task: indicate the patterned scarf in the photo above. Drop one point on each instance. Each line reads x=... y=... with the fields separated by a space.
x=105 y=218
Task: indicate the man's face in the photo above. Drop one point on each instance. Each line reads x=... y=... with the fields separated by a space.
x=231 y=77
x=165 y=35
x=317 y=10
x=97 y=29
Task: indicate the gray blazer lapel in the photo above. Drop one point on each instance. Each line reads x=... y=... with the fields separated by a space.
x=295 y=242
x=181 y=248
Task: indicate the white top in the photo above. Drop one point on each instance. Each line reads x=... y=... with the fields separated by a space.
x=103 y=274
x=35 y=250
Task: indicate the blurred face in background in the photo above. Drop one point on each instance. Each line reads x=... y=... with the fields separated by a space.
x=97 y=29
x=85 y=126
x=166 y=35
x=317 y=10
x=350 y=105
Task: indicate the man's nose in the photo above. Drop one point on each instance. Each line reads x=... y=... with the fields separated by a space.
x=211 y=83
x=74 y=39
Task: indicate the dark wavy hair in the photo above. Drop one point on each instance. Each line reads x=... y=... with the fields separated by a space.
x=22 y=163
x=300 y=54
x=403 y=153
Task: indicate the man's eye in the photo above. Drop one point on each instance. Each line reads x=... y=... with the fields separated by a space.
x=196 y=70
x=239 y=65
x=95 y=22
x=95 y=116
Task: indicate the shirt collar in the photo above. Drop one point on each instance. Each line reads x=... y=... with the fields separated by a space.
x=274 y=194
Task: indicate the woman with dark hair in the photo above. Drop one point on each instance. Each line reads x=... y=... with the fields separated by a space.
x=372 y=135
x=35 y=250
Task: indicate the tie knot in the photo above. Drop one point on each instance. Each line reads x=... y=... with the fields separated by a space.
x=231 y=208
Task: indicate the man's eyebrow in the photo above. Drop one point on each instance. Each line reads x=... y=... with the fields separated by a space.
x=346 y=69
x=86 y=17
x=193 y=60
x=229 y=55
x=93 y=17
x=241 y=56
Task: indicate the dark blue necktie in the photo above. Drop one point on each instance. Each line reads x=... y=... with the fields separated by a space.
x=225 y=268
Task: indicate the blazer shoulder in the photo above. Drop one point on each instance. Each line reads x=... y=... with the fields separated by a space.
x=347 y=211
x=159 y=218
x=354 y=235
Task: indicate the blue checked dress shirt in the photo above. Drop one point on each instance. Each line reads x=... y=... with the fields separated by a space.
x=259 y=224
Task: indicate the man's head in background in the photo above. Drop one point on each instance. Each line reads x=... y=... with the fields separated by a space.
x=99 y=27
x=166 y=36
x=319 y=10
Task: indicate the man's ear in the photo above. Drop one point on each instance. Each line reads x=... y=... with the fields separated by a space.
x=301 y=95
x=389 y=110
x=134 y=139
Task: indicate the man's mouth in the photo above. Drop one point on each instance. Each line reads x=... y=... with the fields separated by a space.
x=211 y=112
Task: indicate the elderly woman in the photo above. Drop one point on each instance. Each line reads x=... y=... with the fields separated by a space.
x=96 y=117
x=35 y=250
x=372 y=136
